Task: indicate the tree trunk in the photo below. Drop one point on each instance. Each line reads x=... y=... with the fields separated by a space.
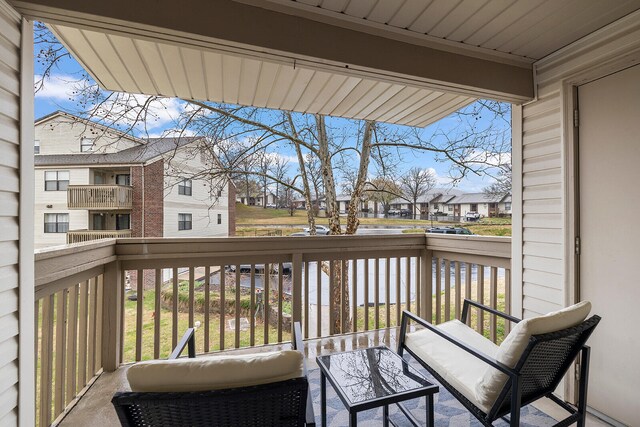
x=305 y=181
x=326 y=169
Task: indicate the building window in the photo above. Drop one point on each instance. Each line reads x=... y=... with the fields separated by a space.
x=474 y=207
x=86 y=145
x=123 y=221
x=450 y=208
x=123 y=179
x=184 y=221
x=56 y=180
x=36 y=146
x=435 y=207
x=507 y=206
x=220 y=195
x=219 y=218
x=184 y=187
x=56 y=222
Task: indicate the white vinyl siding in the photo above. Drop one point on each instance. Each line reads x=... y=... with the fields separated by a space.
x=10 y=139
x=542 y=218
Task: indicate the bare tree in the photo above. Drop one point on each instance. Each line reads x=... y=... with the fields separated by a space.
x=415 y=183
x=264 y=166
x=502 y=186
x=279 y=170
x=475 y=144
x=383 y=190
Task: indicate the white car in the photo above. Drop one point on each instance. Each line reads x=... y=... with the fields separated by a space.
x=472 y=216
x=320 y=229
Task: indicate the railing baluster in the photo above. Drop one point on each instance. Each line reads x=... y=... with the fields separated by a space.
x=280 y=300
x=366 y=294
x=354 y=294
x=398 y=293
x=407 y=279
x=93 y=302
x=192 y=300
x=99 y=320
x=319 y=298
x=387 y=291
x=447 y=290
x=237 y=332
x=493 y=297
x=480 y=292
x=207 y=306
x=332 y=293
x=156 y=315
x=72 y=343
x=139 y=314
x=223 y=305
x=417 y=285
x=468 y=271
x=457 y=290
x=376 y=294
x=61 y=342
x=46 y=360
x=438 y=307
x=82 y=336
x=306 y=299
x=252 y=328
x=507 y=299
x=344 y=297
x=174 y=308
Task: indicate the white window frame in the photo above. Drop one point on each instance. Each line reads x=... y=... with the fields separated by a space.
x=185 y=221
x=185 y=187
x=60 y=184
x=86 y=147
x=59 y=226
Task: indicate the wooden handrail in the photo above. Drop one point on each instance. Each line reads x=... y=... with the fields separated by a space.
x=100 y=197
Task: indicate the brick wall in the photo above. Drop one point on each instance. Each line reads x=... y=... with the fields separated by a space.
x=231 y=208
x=154 y=199
x=136 y=211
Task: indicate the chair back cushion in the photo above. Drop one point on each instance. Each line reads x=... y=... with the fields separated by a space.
x=491 y=383
x=215 y=372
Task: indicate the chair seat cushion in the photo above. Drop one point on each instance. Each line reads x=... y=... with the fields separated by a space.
x=215 y=372
x=459 y=368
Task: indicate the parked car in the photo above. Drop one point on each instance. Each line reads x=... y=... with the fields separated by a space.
x=472 y=216
x=449 y=230
x=259 y=268
x=271 y=205
x=405 y=212
x=320 y=230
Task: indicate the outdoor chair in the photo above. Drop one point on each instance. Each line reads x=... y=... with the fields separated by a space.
x=262 y=389
x=494 y=381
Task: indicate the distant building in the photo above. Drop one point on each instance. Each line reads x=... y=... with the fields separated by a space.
x=93 y=182
x=482 y=203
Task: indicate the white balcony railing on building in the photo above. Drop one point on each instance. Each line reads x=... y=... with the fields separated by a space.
x=79 y=236
x=100 y=197
x=103 y=303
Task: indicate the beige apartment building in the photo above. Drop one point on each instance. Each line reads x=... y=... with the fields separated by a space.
x=92 y=182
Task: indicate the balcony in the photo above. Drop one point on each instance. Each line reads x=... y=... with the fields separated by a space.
x=109 y=197
x=89 y=323
x=79 y=236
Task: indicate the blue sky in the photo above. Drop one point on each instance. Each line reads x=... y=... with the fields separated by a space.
x=57 y=94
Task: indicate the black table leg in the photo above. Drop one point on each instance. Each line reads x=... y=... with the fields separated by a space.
x=353 y=419
x=385 y=416
x=323 y=398
x=430 y=421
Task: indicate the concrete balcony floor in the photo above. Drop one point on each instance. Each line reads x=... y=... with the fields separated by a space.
x=95 y=408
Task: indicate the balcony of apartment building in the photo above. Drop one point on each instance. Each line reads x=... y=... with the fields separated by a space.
x=110 y=189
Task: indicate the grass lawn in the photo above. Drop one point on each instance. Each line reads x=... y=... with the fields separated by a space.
x=255 y=221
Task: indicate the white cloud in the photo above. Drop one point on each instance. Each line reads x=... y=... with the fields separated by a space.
x=58 y=87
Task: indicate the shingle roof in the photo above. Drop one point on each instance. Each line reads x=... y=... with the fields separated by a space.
x=475 y=198
x=153 y=148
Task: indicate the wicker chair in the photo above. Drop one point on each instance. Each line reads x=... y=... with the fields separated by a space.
x=544 y=362
x=283 y=403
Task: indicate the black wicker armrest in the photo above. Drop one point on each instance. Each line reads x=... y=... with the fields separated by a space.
x=478 y=354
x=468 y=302
x=298 y=345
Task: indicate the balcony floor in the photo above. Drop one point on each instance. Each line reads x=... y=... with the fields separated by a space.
x=94 y=407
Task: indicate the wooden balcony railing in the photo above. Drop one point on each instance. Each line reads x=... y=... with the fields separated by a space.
x=100 y=197
x=79 y=236
x=103 y=303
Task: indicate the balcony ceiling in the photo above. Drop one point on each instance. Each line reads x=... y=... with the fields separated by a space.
x=529 y=29
x=142 y=66
x=407 y=62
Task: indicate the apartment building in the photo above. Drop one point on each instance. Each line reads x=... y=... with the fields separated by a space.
x=94 y=182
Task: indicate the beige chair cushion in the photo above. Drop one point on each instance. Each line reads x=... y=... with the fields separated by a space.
x=215 y=372
x=491 y=383
x=459 y=368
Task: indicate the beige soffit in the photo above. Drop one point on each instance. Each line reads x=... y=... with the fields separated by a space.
x=528 y=29
x=142 y=66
